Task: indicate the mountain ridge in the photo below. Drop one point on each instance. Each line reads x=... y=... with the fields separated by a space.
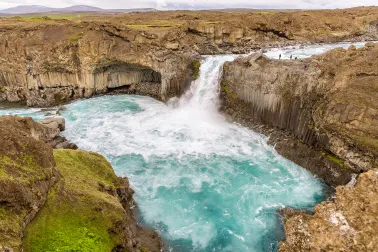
x=33 y=9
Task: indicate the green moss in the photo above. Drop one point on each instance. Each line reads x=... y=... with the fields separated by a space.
x=336 y=160
x=196 y=68
x=366 y=142
x=59 y=227
x=3 y=174
x=23 y=168
x=225 y=87
x=11 y=222
x=77 y=215
x=142 y=249
x=76 y=37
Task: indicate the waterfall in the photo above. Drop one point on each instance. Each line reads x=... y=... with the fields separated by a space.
x=204 y=92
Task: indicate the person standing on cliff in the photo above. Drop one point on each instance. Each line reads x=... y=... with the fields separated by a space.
x=280 y=56
x=291 y=57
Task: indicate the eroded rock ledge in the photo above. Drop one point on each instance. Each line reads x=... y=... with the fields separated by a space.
x=349 y=223
x=320 y=112
x=54 y=199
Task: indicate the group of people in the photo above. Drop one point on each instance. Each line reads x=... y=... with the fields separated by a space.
x=291 y=57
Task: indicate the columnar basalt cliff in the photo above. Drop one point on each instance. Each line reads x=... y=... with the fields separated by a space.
x=63 y=198
x=322 y=114
x=46 y=64
x=328 y=103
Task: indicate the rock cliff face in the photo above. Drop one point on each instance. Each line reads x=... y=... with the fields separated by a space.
x=62 y=199
x=328 y=103
x=27 y=172
x=46 y=64
x=350 y=223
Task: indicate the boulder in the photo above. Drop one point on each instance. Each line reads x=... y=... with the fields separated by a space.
x=54 y=123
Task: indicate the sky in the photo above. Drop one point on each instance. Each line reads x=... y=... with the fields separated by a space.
x=196 y=4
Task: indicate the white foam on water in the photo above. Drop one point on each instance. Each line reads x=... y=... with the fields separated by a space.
x=302 y=52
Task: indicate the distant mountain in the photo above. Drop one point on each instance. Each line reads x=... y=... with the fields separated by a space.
x=80 y=8
x=22 y=9
x=32 y=9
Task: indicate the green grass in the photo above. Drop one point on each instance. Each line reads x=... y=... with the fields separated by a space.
x=42 y=17
x=77 y=215
x=210 y=22
x=267 y=13
x=151 y=26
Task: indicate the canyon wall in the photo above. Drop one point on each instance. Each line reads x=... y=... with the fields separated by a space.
x=324 y=108
x=47 y=64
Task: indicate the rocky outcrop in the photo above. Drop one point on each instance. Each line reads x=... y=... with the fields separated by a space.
x=349 y=223
x=66 y=198
x=88 y=208
x=52 y=127
x=27 y=172
x=324 y=107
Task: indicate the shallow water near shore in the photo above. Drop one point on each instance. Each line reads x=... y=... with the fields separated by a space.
x=203 y=183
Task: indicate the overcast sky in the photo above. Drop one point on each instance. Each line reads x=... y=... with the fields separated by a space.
x=166 y=4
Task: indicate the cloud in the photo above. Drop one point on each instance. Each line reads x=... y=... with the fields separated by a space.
x=196 y=4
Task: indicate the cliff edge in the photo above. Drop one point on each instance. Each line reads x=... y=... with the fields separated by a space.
x=320 y=112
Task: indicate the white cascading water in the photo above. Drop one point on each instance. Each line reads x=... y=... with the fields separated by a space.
x=204 y=92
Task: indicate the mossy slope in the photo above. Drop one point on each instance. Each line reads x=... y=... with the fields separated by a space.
x=27 y=171
x=79 y=214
